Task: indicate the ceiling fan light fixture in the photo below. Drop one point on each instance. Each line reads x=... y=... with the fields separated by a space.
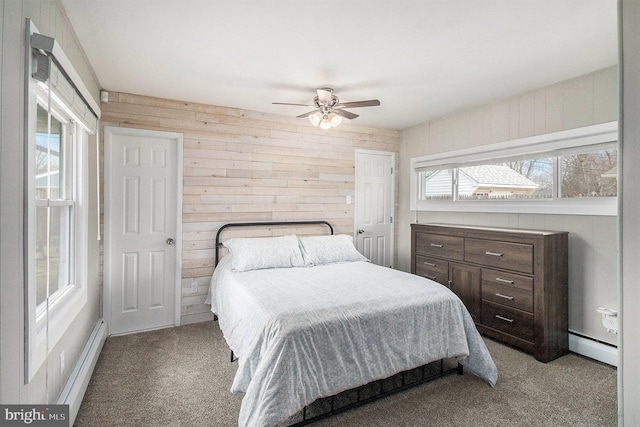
x=315 y=118
x=334 y=119
x=325 y=120
x=325 y=123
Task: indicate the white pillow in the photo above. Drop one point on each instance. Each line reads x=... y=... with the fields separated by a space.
x=319 y=250
x=264 y=252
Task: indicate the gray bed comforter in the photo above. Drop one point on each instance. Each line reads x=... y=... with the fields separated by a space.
x=310 y=332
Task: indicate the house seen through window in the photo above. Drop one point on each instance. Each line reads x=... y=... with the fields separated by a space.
x=584 y=174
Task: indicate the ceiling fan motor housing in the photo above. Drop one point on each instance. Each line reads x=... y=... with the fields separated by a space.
x=329 y=105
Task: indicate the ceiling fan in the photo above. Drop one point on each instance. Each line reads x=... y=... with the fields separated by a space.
x=329 y=111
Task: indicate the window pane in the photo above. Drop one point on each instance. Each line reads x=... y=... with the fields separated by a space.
x=53 y=250
x=49 y=157
x=521 y=179
x=59 y=248
x=589 y=174
x=437 y=184
x=42 y=237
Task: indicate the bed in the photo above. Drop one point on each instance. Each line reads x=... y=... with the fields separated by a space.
x=309 y=317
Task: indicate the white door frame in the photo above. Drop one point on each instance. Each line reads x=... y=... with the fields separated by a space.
x=392 y=194
x=109 y=132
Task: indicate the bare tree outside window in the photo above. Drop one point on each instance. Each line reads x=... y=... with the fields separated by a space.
x=591 y=174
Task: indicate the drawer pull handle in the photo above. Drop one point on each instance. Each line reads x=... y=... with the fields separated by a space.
x=504 y=296
x=430 y=264
x=493 y=253
x=430 y=277
x=498 y=279
x=504 y=318
x=435 y=245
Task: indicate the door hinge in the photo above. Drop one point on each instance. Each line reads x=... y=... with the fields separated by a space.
x=391 y=220
x=391 y=171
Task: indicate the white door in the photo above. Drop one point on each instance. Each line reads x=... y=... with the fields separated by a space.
x=142 y=221
x=374 y=205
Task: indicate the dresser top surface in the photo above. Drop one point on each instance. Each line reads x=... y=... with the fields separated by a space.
x=492 y=229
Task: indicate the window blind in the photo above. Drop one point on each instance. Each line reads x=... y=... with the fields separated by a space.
x=65 y=94
x=601 y=136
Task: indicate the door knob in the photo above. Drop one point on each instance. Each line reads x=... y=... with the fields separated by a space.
x=170 y=241
x=360 y=231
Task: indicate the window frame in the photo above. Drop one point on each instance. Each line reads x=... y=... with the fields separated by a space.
x=68 y=163
x=45 y=324
x=48 y=321
x=550 y=145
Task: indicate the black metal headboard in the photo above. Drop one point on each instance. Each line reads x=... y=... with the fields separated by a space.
x=263 y=224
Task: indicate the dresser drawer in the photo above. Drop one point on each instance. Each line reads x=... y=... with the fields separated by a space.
x=508 y=289
x=431 y=268
x=508 y=320
x=507 y=255
x=436 y=244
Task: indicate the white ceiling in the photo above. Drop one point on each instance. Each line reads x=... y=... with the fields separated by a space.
x=421 y=59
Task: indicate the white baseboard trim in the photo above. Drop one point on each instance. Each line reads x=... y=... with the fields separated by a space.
x=593 y=349
x=73 y=391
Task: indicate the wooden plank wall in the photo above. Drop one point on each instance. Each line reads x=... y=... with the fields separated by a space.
x=248 y=166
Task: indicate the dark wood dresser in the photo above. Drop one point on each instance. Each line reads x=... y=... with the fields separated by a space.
x=512 y=281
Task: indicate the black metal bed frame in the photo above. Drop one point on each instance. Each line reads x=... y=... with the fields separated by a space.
x=326 y=407
x=263 y=224
x=350 y=399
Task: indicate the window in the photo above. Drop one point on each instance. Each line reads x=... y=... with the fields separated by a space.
x=591 y=173
x=54 y=203
x=517 y=179
x=57 y=224
x=437 y=184
x=570 y=172
x=59 y=122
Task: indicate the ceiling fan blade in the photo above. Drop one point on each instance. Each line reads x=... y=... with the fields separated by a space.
x=307 y=114
x=356 y=104
x=288 y=103
x=324 y=95
x=345 y=114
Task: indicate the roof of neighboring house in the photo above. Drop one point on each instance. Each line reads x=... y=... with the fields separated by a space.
x=497 y=175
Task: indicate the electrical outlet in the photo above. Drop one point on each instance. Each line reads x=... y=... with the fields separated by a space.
x=62 y=362
x=611 y=323
x=348 y=200
x=194 y=287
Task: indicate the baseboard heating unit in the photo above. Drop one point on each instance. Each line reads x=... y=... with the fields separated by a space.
x=76 y=385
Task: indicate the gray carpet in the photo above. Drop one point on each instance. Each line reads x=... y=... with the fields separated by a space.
x=181 y=377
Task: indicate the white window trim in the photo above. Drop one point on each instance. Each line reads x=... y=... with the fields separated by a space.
x=45 y=328
x=548 y=143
